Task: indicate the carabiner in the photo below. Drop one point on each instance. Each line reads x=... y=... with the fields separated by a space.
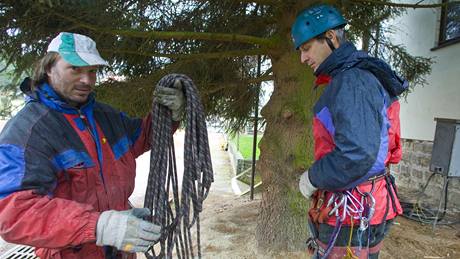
x=337 y=206
x=371 y=203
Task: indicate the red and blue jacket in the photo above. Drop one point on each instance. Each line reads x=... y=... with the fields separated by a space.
x=356 y=126
x=60 y=167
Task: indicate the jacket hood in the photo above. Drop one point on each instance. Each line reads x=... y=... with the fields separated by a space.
x=346 y=56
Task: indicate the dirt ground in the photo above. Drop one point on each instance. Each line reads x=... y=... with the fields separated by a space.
x=228 y=232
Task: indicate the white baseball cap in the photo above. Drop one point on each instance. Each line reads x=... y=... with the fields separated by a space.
x=76 y=49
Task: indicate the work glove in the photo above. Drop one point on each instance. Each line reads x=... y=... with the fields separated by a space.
x=306 y=188
x=173 y=98
x=126 y=230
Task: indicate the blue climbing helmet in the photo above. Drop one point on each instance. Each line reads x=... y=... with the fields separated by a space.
x=313 y=21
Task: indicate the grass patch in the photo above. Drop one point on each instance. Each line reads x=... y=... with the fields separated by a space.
x=243 y=144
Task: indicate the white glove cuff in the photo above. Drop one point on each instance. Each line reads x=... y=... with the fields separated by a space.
x=305 y=186
x=100 y=226
x=111 y=228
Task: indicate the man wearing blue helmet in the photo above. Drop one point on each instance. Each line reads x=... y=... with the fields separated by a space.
x=357 y=135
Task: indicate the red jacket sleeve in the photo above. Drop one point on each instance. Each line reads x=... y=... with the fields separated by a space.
x=142 y=143
x=394 y=134
x=42 y=221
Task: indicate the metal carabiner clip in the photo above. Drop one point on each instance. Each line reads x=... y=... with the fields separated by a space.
x=371 y=199
x=331 y=200
x=337 y=206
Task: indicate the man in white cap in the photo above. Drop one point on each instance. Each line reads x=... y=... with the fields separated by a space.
x=67 y=162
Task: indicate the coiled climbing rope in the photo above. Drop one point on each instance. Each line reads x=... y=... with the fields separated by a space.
x=178 y=216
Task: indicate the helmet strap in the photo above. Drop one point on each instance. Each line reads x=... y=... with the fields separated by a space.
x=329 y=42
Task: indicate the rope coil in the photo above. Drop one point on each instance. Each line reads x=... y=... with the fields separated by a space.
x=178 y=217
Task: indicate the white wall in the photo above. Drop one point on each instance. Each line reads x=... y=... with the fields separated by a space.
x=418 y=30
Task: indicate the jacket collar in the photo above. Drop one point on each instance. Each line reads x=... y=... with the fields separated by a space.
x=344 y=56
x=48 y=96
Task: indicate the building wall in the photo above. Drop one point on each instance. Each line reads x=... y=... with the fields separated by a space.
x=418 y=30
x=412 y=174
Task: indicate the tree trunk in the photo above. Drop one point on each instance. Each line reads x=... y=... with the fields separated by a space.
x=286 y=151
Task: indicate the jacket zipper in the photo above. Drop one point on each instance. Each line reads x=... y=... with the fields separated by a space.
x=88 y=127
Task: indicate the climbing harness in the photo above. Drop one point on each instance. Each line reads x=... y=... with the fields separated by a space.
x=178 y=216
x=345 y=204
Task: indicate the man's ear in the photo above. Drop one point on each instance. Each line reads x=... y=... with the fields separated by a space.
x=331 y=35
x=48 y=70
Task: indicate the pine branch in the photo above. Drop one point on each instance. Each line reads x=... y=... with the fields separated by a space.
x=377 y=2
x=176 y=35
x=7 y=64
x=259 y=2
x=207 y=55
x=260 y=79
x=214 y=88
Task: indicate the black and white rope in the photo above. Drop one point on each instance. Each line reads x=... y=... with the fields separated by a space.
x=178 y=216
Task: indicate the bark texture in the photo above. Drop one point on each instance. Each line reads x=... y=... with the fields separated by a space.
x=286 y=151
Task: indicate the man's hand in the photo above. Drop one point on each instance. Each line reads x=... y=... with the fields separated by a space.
x=306 y=188
x=126 y=230
x=173 y=98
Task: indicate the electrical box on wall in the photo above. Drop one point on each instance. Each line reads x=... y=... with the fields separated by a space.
x=445 y=157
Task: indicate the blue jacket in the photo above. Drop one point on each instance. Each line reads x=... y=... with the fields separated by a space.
x=356 y=130
x=356 y=133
